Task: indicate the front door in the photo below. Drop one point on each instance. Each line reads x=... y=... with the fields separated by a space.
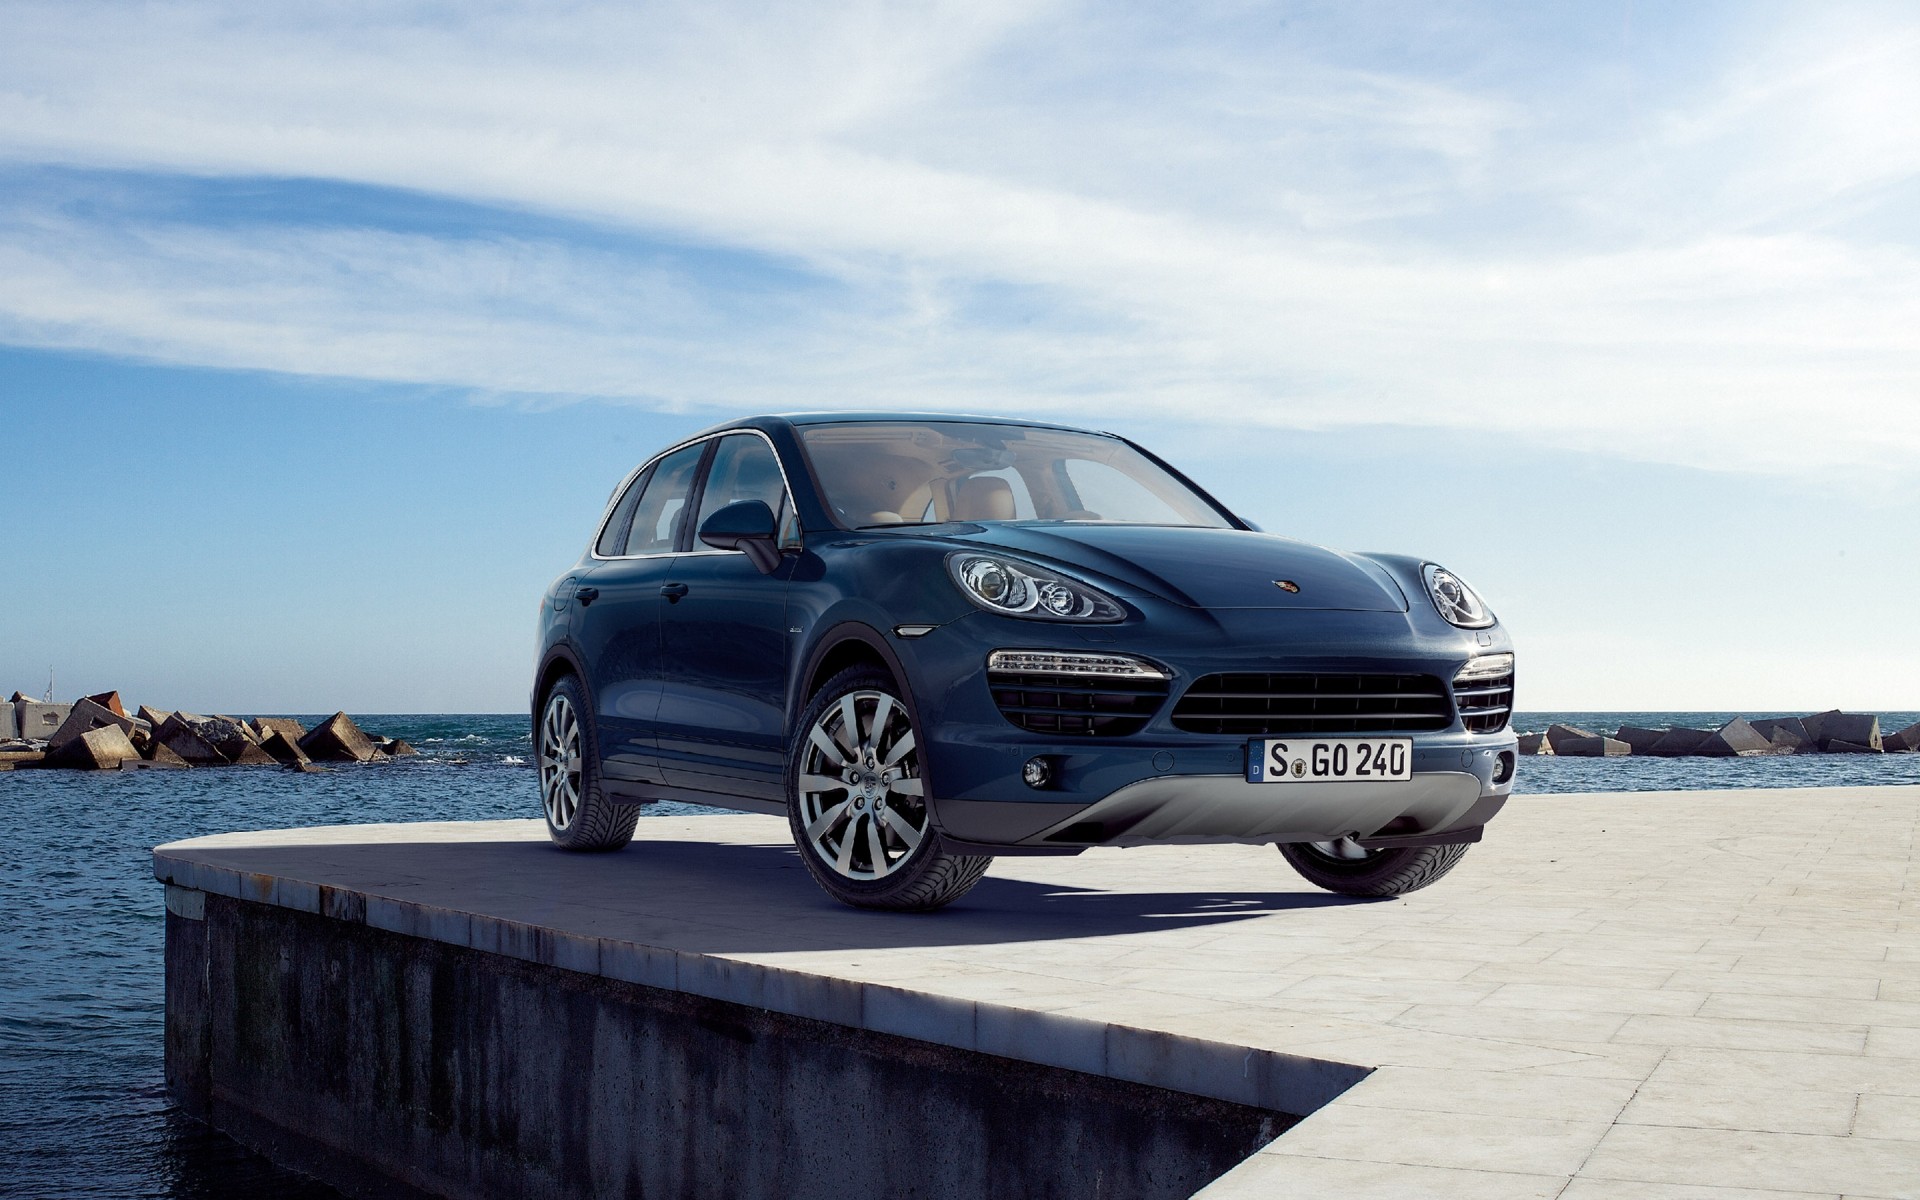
x=721 y=723
x=616 y=622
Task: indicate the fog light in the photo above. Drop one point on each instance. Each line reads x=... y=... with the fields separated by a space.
x=1503 y=767
x=1038 y=772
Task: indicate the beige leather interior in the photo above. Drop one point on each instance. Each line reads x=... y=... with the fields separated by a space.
x=983 y=498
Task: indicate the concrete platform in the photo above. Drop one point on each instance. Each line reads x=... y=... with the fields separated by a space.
x=1686 y=996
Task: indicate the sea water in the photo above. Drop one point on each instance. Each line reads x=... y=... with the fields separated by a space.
x=83 y=1106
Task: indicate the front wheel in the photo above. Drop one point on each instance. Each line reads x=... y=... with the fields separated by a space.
x=1347 y=867
x=857 y=801
x=579 y=815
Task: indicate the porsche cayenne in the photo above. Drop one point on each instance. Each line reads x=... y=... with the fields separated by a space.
x=929 y=640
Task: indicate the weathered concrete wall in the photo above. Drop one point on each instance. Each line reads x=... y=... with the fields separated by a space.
x=388 y=1064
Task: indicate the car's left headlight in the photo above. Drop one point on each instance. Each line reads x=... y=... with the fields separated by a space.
x=1457 y=602
x=1018 y=589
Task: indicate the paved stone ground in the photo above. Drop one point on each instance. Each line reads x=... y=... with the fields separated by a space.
x=1655 y=996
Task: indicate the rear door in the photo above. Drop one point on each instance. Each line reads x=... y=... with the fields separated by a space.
x=721 y=722
x=616 y=621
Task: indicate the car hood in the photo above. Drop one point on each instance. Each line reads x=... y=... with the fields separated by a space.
x=1204 y=568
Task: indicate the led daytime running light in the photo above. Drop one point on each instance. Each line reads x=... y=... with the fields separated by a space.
x=1072 y=662
x=1487 y=666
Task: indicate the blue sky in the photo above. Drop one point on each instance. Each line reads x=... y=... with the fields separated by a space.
x=324 y=333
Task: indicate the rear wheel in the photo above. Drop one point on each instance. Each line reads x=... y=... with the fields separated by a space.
x=579 y=815
x=857 y=801
x=1347 y=867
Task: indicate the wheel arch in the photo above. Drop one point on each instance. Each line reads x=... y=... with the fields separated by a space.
x=852 y=643
x=560 y=661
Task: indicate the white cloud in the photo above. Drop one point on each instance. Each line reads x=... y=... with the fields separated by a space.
x=1219 y=220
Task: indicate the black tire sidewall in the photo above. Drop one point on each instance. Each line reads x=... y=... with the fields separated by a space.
x=1383 y=873
x=583 y=834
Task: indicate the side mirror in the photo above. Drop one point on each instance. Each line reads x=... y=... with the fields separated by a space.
x=747 y=526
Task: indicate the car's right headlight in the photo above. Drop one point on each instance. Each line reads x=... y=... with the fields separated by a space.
x=1018 y=589
x=1457 y=602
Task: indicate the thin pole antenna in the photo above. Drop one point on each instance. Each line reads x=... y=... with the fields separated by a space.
x=49 y=683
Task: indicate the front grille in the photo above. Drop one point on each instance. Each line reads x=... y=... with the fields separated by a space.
x=1089 y=706
x=1258 y=703
x=1485 y=704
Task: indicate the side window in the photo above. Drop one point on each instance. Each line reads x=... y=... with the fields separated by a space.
x=613 y=538
x=743 y=469
x=663 y=507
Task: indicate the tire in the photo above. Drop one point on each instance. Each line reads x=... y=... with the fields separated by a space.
x=857 y=806
x=579 y=815
x=1346 y=868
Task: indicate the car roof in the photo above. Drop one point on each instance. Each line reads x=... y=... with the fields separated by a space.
x=798 y=419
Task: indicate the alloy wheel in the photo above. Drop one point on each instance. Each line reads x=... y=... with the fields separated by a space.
x=862 y=803
x=560 y=761
x=1343 y=850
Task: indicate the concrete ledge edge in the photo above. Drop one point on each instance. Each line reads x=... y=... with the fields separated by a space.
x=1238 y=1074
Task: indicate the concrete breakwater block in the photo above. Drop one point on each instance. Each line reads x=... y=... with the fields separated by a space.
x=102 y=749
x=1855 y=729
x=229 y=736
x=1592 y=747
x=399 y=748
x=1837 y=746
x=1559 y=735
x=283 y=749
x=250 y=755
x=1906 y=741
x=1534 y=743
x=338 y=739
x=291 y=729
x=111 y=702
x=1638 y=739
x=152 y=716
x=163 y=755
x=1736 y=739
x=9 y=724
x=85 y=717
x=1790 y=732
x=1678 y=743
x=39 y=721
x=178 y=735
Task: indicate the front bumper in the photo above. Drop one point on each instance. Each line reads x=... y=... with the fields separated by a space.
x=1166 y=785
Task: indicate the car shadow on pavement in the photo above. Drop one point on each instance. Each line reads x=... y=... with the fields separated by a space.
x=734 y=897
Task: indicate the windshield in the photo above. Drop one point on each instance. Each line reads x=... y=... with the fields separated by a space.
x=878 y=473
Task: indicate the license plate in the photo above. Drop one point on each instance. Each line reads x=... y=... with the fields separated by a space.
x=1330 y=760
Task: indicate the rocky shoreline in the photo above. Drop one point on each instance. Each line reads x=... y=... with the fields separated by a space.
x=1832 y=732
x=96 y=733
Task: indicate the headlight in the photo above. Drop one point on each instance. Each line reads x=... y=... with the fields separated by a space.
x=1456 y=601
x=1017 y=589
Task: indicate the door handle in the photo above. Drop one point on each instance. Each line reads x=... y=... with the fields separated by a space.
x=673 y=592
x=586 y=595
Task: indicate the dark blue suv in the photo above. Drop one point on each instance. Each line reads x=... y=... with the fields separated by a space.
x=928 y=640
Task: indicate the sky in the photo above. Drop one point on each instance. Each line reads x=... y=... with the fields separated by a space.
x=325 y=330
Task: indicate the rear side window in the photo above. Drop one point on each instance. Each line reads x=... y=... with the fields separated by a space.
x=613 y=538
x=744 y=468
x=662 y=510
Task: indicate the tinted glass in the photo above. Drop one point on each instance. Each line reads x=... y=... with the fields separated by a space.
x=613 y=538
x=877 y=473
x=743 y=469
x=663 y=507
